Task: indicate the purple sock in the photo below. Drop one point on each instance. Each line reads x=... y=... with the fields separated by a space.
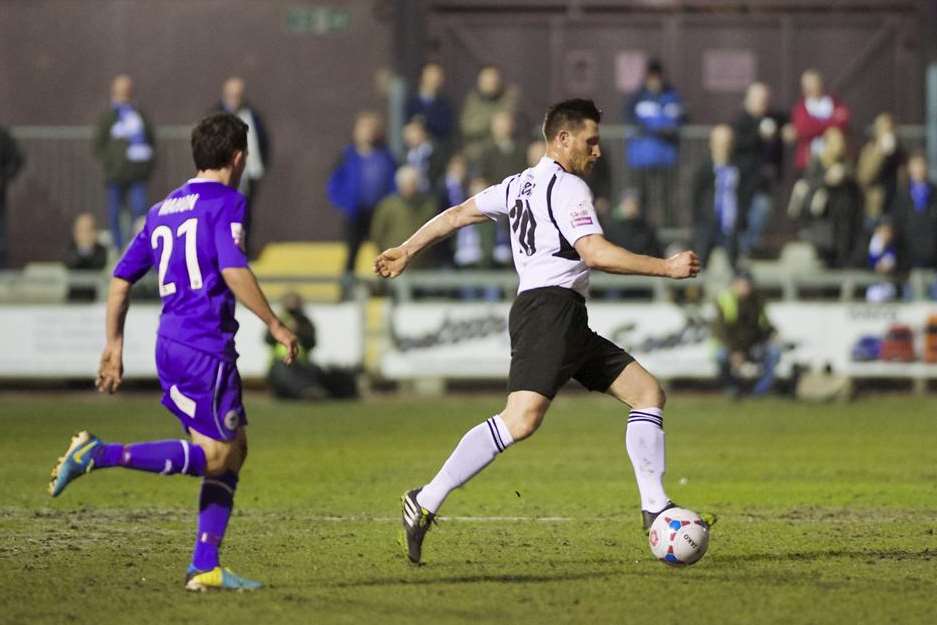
x=163 y=457
x=214 y=510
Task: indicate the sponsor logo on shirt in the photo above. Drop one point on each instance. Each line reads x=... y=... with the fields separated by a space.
x=237 y=233
x=580 y=216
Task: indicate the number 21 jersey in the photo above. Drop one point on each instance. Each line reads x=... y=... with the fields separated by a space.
x=189 y=238
x=548 y=210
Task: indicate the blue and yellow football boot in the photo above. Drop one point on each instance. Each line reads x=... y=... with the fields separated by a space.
x=217 y=579
x=77 y=461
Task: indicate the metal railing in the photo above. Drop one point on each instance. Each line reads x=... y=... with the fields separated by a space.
x=60 y=161
x=51 y=283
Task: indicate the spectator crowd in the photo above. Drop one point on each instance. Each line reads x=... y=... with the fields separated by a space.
x=862 y=200
x=871 y=207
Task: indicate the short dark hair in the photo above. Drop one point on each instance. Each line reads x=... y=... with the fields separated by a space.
x=570 y=115
x=216 y=138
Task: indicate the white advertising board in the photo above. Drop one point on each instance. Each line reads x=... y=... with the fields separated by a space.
x=66 y=341
x=470 y=340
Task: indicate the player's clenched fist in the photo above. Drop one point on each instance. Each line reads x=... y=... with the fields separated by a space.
x=391 y=263
x=110 y=371
x=683 y=265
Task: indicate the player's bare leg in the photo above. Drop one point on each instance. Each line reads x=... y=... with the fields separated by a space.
x=521 y=417
x=644 y=437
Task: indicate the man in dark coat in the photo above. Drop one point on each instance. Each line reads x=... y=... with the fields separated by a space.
x=758 y=153
x=915 y=216
x=11 y=162
x=715 y=196
x=126 y=146
x=258 y=147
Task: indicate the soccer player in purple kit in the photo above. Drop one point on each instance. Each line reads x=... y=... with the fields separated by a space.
x=194 y=238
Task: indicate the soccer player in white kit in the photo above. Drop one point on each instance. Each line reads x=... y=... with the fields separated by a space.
x=556 y=240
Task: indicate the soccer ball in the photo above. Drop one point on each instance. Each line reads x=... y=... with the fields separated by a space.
x=678 y=537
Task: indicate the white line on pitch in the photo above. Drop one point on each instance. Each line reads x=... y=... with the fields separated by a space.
x=468 y=519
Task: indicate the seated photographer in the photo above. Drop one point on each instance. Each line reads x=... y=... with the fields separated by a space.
x=302 y=379
x=746 y=347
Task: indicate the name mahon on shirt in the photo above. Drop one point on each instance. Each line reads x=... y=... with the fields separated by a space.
x=178 y=204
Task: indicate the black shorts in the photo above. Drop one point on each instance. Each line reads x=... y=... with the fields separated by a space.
x=551 y=342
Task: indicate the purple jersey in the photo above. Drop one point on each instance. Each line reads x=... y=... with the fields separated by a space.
x=190 y=237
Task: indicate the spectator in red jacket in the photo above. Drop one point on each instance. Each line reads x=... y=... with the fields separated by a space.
x=813 y=114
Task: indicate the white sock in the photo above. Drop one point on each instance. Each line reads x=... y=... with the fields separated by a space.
x=644 y=440
x=474 y=452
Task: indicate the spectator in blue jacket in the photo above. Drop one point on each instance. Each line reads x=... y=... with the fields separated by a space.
x=363 y=176
x=657 y=113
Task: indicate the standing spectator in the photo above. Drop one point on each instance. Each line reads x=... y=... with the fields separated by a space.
x=501 y=155
x=363 y=177
x=475 y=248
x=11 y=162
x=715 y=198
x=814 y=113
x=745 y=337
x=628 y=228
x=453 y=190
x=831 y=205
x=489 y=96
x=432 y=105
x=468 y=253
x=84 y=253
x=915 y=214
x=657 y=112
x=124 y=143
x=399 y=215
x=877 y=170
x=759 y=152
x=258 y=144
x=422 y=153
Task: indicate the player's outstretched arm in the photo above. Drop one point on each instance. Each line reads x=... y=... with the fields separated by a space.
x=111 y=369
x=392 y=262
x=599 y=253
x=243 y=284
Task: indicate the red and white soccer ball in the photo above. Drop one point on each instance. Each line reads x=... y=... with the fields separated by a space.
x=678 y=537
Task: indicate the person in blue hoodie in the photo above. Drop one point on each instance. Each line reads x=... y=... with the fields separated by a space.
x=656 y=111
x=363 y=176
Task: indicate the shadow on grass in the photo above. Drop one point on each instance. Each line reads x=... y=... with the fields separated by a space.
x=826 y=554
x=507 y=578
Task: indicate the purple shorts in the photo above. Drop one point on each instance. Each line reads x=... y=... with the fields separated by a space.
x=202 y=390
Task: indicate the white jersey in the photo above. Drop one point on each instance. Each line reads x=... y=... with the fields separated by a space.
x=548 y=210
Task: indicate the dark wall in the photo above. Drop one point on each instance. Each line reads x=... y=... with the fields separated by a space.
x=870 y=52
x=57 y=58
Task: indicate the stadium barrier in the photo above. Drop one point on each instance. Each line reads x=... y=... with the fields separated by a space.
x=449 y=340
x=470 y=340
x=53 y=342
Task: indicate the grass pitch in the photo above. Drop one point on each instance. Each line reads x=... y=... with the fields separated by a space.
x=827 y=515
